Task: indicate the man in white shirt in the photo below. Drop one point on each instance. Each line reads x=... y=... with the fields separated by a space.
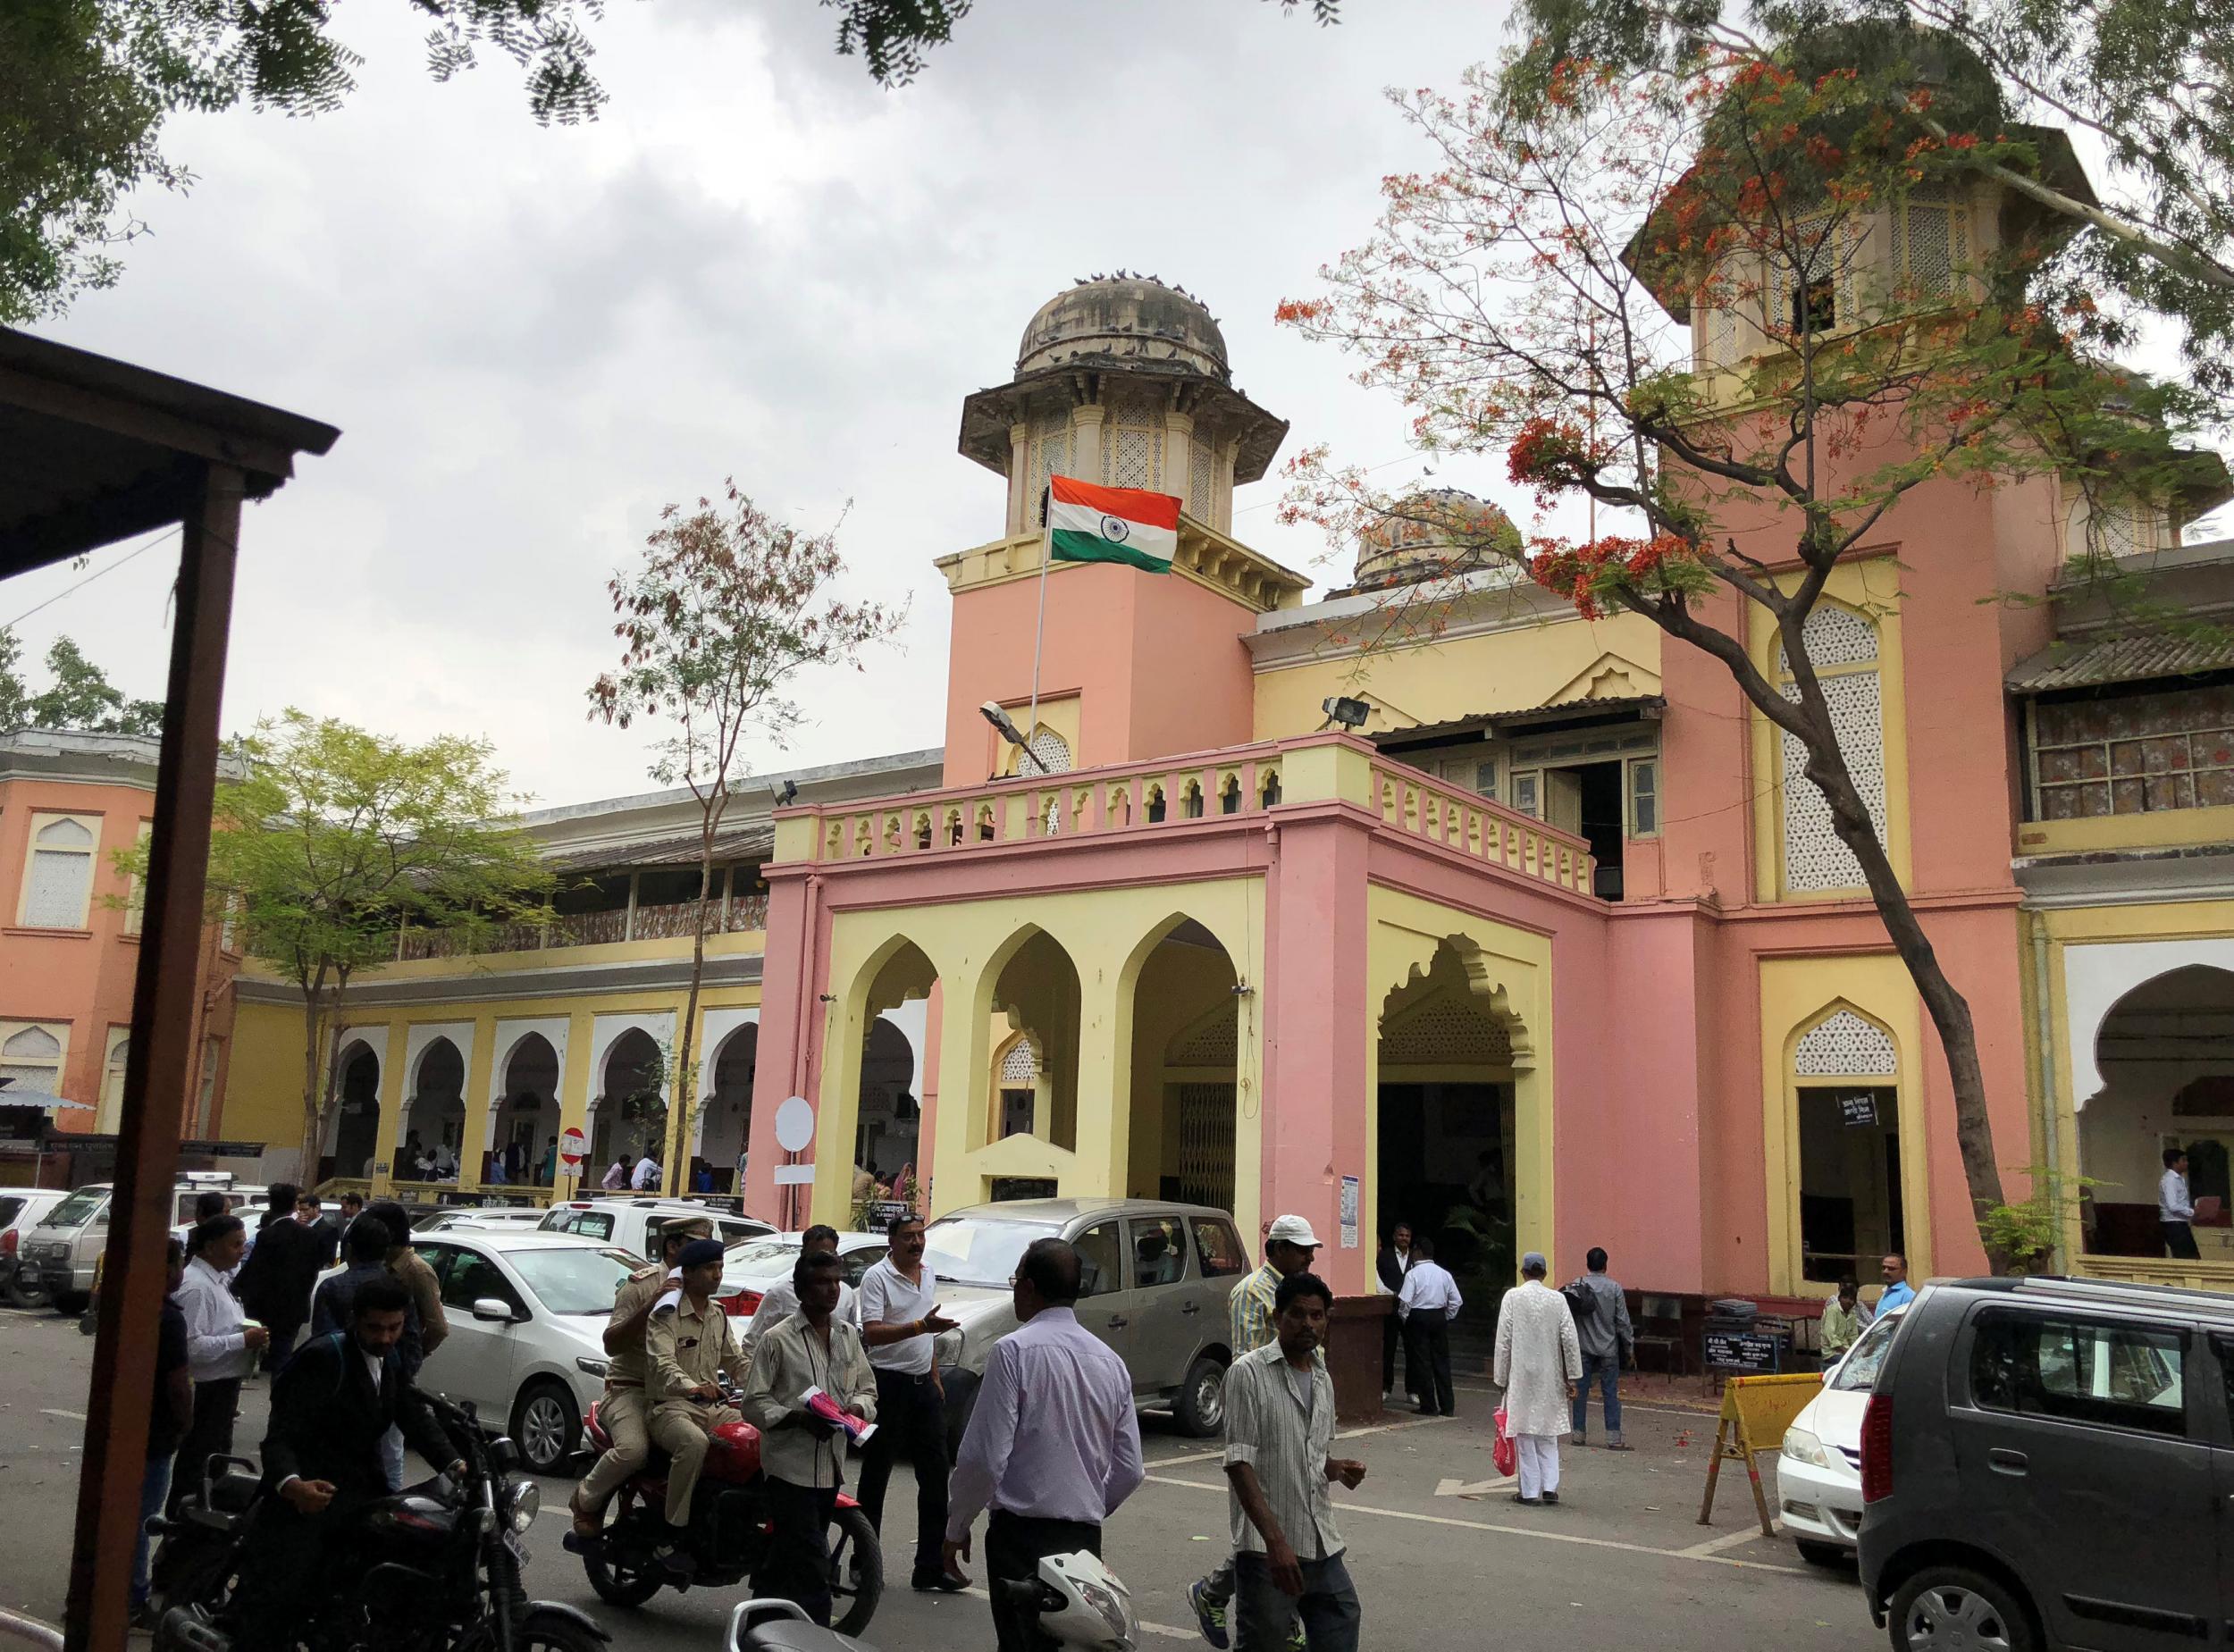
x=1054 y=1445
x=2176 y=1207
x=647 y=1177
x=899 y=1322
x=781 y=1300
x=1429 y=1302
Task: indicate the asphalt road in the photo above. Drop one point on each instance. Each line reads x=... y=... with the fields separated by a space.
x=1621 y=1562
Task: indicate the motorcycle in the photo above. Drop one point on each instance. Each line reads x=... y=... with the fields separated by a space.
x=434 y=1569
x=728 y=1531
x=1075 y=1604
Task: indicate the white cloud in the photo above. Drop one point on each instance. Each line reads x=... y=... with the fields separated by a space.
x=757 y=264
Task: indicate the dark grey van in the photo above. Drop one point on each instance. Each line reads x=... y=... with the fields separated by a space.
x=2048 y=1463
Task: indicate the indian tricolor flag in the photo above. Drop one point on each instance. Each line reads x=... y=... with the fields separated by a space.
x=1086 y=523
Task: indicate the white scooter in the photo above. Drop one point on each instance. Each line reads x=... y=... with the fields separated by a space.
x=1079 y=1604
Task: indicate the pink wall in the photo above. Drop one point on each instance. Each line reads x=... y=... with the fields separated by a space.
x=1122 y=642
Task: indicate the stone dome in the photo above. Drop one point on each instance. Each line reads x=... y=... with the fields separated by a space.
x=1431 y=534
x=1124 y=321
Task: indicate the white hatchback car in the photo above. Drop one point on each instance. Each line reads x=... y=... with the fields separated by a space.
x=1819 y=1473
x=528 y=1313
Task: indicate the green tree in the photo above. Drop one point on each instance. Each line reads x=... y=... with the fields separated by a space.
x=87 y=85
x=328 y=839
x=1523 y=300
x=727 y=606
x=2152 y=81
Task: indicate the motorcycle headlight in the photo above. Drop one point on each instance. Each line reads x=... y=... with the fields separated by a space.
x=1802 y=1446
x=592 y=1368
x=527 y=1503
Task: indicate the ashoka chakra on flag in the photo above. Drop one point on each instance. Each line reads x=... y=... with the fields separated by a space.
x=1087 y=524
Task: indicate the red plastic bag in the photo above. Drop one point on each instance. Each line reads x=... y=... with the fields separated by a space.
x=1505 y=1453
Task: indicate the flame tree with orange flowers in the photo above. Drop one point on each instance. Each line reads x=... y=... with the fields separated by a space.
x=1528 y=298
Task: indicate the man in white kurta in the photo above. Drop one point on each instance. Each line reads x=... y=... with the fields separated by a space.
x=1539 y=1361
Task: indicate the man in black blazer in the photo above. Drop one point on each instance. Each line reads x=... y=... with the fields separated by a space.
x=1390 y=1266
x=275 y=1281
x=322 y=1464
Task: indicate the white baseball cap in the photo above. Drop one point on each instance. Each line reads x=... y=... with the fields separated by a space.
x=1292 y=1230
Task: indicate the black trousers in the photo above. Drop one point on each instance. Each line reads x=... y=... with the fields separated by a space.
x=1014 y=1546
x=2179 y=1241
x=796 y=1563
x=1427 y=1362
x=208 y=1435
x=909 y=1415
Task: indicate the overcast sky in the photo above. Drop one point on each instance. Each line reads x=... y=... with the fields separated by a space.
x=756 y=263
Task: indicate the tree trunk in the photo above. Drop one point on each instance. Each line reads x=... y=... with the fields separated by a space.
x=679 y=1157
x=1950 y=1011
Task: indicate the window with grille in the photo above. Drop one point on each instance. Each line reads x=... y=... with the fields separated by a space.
x=30 y=1061
x=58 y=881
x=2133 y=754
x=1843 y=649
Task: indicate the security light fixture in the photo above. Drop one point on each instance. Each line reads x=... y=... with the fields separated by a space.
x=1348 y=713
x=1005 y=725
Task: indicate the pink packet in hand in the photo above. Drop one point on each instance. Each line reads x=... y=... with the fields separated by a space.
x=821 y=1405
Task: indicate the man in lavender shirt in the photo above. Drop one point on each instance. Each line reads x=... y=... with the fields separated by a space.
x=1053 y=1472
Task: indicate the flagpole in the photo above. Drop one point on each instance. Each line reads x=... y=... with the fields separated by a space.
x=1039 y=630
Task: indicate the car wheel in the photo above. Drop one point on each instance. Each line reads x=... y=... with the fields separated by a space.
x=546 y=1424
x=30 y=1299
x=1943 y=1608
x=1828 y=1556
x=1201 y=1405
x=857 y=1572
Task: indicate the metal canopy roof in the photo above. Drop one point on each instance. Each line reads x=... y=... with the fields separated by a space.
x=2127 y=658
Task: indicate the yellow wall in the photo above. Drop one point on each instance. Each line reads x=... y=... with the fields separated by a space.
x=1108 y=934
x=1511 y=970
x=1534 y=663
x=1796 y=994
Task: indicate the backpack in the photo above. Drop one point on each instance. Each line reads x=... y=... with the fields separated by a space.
x=1581 y=1300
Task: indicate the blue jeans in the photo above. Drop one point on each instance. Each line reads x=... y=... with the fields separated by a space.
x=1264 y=1614
x=154 y=1490
x=1605 y=1369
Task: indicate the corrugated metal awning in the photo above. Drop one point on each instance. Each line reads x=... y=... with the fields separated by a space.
x=2126 y=658
x=751 y=844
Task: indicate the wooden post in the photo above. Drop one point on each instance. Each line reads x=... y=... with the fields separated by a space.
x=157 y=1075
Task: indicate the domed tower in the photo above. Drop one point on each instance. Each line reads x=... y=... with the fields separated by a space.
x=1122 y=381
x=1433 y=534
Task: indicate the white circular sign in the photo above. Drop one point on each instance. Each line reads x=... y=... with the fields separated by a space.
x=794 y=1124
x=572 y=1144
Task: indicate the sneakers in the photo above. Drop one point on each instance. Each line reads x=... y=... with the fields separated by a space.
x=1209 y=1615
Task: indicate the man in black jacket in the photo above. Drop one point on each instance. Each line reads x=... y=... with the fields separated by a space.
x=275 y=1281
x=322 y=1464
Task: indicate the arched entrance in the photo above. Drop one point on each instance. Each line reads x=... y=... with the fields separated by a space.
x=526 y=1123
x=630 y=1113
x=1446 y=1128
x=1186 y=1049
x=355 y=1128
x=434 y=1118
x=726 y=1110
x=2166 y=1055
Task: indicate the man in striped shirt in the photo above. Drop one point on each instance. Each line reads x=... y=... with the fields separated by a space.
x=1280 y=1429
x=1290 y=1245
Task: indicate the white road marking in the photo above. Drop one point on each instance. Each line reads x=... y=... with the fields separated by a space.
x=49 y=1411
x=1707 y=1559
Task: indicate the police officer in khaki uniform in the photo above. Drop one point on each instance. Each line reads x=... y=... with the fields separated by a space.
x=688 y=1346
x=624 y=1412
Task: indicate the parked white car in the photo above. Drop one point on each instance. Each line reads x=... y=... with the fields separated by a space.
x=522 y=1219
x=749 y=1267
x=634 y=1224
x=1819 y=1474
x=527 y=1314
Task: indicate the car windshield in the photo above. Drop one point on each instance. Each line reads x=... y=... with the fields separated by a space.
x=1861 y=1364
x=77 y=1208
x=973 y=1250
x=573 y=1281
